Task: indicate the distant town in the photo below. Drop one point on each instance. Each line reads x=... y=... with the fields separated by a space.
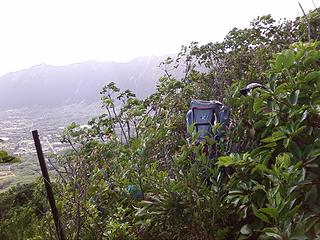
x=16 y=138
x=17 y=124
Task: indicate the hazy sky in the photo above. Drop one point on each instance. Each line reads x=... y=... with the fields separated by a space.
x=59 y=32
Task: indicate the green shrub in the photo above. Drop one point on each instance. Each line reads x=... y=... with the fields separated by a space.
x=261 y=180
x=6 y=158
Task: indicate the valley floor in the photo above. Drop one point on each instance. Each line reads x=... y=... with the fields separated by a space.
x=15 y=133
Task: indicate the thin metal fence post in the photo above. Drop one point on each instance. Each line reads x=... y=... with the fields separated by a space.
x=48 y=186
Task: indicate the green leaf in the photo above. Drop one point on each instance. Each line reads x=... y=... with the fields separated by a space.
x=260 y=215
x=141 y=211
x=293 y=212
x=289 y=58
x=259 y=124
x=311 y=57
x=276 y=136
x=272 y=212
x=283 y=159
x=285 y=59
x=294 y=149
x=225 y=161
x=261 y=168
x=314 y=153
x=299 y=130
x=270 y=145
x=286 y=142
x=258 y=105
x=270 y=121
x=272 y=232
x=278 y=198
x=294 y=97
x=313 y=76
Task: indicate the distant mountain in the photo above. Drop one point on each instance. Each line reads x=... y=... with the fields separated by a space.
x=52 y=86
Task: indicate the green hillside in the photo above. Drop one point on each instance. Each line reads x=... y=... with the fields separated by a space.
x=132 y=173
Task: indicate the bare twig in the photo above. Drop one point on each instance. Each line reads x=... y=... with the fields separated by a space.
x=81 y=206
x=120 y=124
x=57 y=170
x=314 y=4
x=309 y=29
x=72 y=145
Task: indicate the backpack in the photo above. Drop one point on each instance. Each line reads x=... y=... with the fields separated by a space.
x=203 y=115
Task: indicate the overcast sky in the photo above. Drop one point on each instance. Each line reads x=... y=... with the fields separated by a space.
x=59 y=32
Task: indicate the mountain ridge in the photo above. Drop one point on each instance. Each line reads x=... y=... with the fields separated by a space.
x=52 y=86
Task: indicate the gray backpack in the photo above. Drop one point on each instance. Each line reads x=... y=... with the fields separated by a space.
x=203 y=115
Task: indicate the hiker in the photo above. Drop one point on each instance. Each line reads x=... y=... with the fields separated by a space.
x=203 y=116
